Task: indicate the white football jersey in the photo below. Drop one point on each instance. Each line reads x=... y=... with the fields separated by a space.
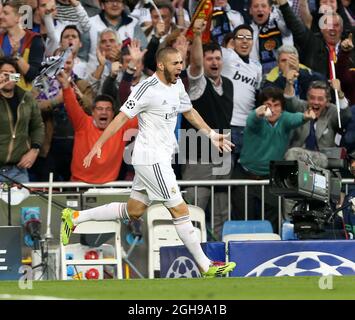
x=246 y=78
x=157 y=106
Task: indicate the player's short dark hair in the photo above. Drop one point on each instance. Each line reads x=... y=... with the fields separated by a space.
x=70 y=27
x=163 y=52
x=242 y=27
x=273 y=93
x=211 y=46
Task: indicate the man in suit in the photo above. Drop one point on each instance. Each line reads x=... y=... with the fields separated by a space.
x=321 y=132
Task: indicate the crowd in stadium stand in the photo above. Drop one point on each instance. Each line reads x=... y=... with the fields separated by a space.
x=292 y=54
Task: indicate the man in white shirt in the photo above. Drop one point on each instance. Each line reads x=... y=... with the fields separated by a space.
x=157 y=102
x=246 y=75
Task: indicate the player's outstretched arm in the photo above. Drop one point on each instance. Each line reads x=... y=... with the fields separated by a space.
x=112 y=128
x=219 y=140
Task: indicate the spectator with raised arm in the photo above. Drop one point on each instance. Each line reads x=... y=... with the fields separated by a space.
x=166 y=12
x=25 y=46
x=132 y=68
x=287 y=59
x=314 y=19
x=270 y=33
x=182 y=17
x=316 y=50
x=56 y=152
x=319 y=133
x=71 y=37
x=349 y=8
x=108 y=51
x=87 y=129
x=212 y=96
x=344 y=70
x=224 y=20
x=114 y=16
x=266 y=138
x=54 y=27
x=245 y=74
x=346 y=75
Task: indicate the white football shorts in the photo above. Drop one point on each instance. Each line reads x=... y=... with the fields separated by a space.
x=159 y=182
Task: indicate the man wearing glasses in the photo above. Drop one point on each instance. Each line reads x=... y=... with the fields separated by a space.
x=115 y=17
x=245 y=74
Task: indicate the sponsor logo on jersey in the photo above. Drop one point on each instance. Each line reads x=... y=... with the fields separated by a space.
x=245 y=79
x=171 y=114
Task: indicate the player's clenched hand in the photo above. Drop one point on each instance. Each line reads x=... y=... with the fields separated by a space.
x=95 y=151
x=220 y=141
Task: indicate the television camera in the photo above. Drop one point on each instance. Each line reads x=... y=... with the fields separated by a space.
x=315 y=191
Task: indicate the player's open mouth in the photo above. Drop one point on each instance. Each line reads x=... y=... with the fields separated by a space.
x=260 y=15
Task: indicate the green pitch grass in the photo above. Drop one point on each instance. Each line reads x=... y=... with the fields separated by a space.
x=274 y=288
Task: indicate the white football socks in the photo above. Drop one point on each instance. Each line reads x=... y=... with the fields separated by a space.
x=187 y=234
x=107 y=212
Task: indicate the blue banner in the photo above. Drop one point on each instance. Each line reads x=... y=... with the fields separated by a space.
x=177 y=262
x=10 y=253
x=292 y=258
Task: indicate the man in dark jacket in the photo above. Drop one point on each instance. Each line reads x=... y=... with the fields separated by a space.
x=316 y=50
x=21 y=126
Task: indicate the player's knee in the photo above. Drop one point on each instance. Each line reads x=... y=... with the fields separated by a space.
x=179 y=210
x=136 y=209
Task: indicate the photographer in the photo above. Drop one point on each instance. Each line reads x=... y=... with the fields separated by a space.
x=21 y=126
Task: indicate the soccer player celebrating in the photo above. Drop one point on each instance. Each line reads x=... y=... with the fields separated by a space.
x=157 y=102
